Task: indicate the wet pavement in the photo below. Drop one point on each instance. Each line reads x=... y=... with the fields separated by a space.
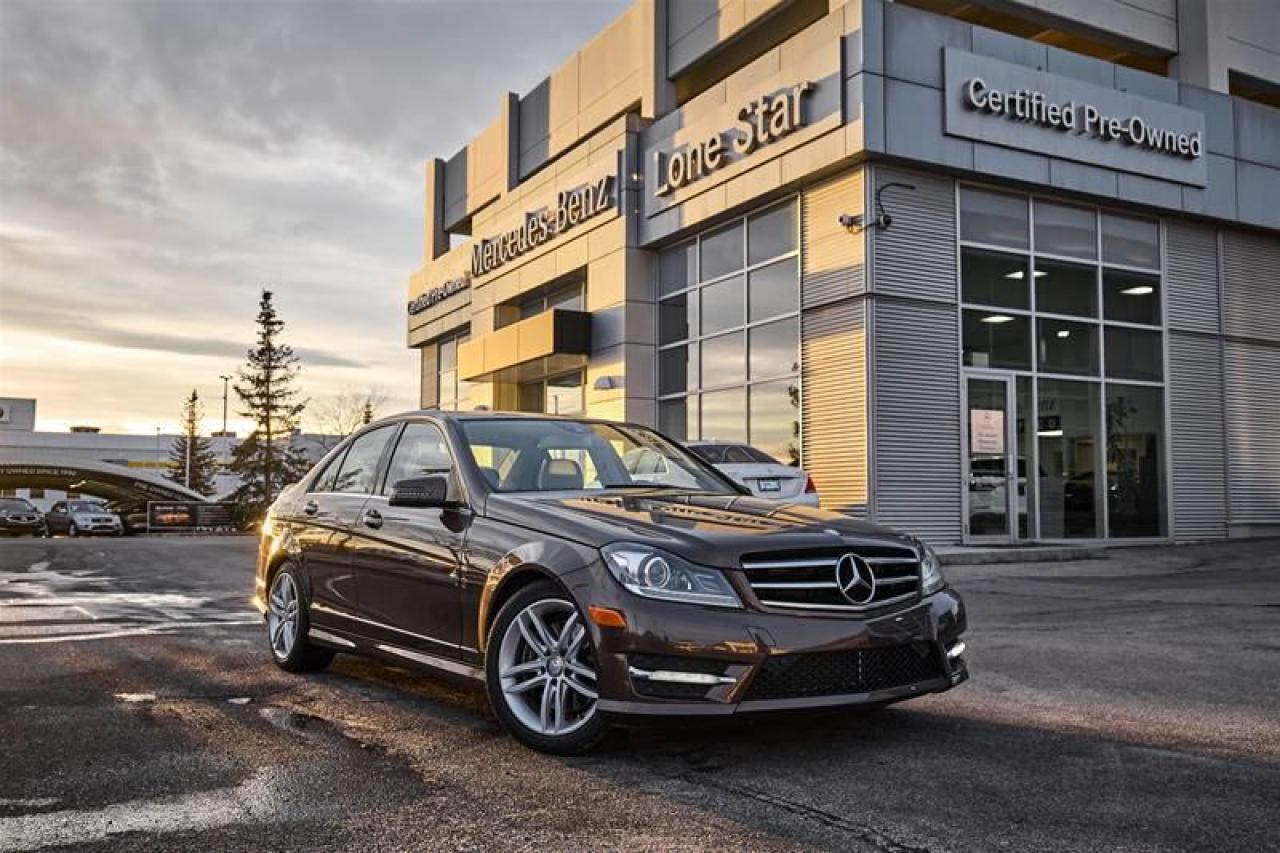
x=1129 y=703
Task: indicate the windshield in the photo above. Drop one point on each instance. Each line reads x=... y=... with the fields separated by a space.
x=83 y=506
x=15 y=505
x=534 y=455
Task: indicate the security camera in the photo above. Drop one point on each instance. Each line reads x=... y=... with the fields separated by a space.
x=849 y=220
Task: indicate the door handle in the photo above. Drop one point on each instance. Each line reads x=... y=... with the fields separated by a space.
x=372 y=518
x=311 y=507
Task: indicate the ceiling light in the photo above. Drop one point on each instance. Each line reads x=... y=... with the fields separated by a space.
x=1016 y=274
x=1064 y=333
x=1050 y=433
x=1039 y=274
x=1140 y=290
x=997 y=318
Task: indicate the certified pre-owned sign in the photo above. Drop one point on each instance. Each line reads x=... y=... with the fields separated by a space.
x=1019 y=107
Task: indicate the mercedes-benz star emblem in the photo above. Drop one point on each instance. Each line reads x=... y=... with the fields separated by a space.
x=856 y=580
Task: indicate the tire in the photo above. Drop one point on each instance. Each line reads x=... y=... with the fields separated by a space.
x=566 y=722
x=287 y=625
x=72 y=530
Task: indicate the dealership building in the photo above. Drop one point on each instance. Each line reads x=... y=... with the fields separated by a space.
x=990 y=271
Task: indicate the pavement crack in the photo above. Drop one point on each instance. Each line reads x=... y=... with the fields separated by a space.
x=862 y=831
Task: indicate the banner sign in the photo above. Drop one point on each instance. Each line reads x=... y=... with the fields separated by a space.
x=188 y=515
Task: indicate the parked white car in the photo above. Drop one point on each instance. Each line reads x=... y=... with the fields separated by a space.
x=765 y=476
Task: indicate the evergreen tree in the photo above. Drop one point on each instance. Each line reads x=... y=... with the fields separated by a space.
x=193 y=461
x=267 y=460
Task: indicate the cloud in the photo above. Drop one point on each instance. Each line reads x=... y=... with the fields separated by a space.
x=161 y=162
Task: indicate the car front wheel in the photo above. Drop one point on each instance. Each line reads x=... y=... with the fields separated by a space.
x=541 y=675
x=288 y=623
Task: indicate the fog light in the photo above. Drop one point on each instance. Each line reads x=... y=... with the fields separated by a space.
x=956 y=650
x=673 y=677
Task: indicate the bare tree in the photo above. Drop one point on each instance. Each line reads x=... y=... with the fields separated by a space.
x=338 y=416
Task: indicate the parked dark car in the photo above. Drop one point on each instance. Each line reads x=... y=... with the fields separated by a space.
x=19 y=517
x=82 y=518
x=132 y=515
x=522 y=551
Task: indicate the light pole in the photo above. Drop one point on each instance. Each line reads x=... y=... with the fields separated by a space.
x=225 y=443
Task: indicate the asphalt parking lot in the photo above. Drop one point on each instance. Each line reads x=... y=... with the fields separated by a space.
x=1129 y=703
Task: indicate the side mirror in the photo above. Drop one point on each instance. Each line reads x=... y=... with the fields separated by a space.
x=425 y=492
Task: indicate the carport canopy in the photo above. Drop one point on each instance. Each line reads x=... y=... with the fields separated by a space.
x=90 y=477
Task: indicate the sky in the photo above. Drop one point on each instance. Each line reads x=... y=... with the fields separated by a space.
x=161 y=163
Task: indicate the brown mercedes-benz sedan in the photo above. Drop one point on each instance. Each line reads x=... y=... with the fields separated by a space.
x=589 y=572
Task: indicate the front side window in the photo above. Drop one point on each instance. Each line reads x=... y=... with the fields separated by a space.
x=359 y=470
x=729 y=334
x=421 y=451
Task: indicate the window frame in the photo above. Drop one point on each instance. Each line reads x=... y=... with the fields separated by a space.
x=695 y=338
x=1100 y=324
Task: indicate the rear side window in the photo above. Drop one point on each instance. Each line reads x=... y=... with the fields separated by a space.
x=359 y=471
x=421 y=450
x=713 y=453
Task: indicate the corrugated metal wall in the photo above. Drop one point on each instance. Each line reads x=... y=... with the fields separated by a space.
x=1197 y=432
x=1191 y=277
x=916 y=256
x=1251 y=362
x=834 y=258
x=1198 y=436
x=834 y=378
x=833 y=345
x=915 y=375
x=1251 y=285
x=1253 y=430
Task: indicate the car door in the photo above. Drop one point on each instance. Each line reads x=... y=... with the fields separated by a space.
x=57 y=519
x=409 y=558
x=325 y=529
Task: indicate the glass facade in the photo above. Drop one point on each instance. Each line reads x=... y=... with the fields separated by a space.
x=1067 y=299
x=452 y=394
x=729 y=334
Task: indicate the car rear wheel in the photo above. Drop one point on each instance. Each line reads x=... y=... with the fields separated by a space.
x=541 y=674
x=288 y=623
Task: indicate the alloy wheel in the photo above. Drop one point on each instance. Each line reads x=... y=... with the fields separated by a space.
x=546 y=668
x=282 y=615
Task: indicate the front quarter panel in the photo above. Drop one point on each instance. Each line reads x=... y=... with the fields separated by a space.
x=497 y=553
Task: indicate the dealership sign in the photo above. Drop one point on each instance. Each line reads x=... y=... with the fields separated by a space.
x=436 y=295
x=1014 y=106
x=572 y=208
x=760 y=121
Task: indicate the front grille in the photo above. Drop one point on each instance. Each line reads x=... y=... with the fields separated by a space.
x=833 y=673
x=807 y=581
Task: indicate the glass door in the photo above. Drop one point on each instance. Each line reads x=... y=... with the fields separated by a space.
x=995 y=493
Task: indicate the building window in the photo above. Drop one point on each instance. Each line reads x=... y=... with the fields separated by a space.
x=729 y=334
x=570 y=296
x=452 y=394
x=559 y=395
x=1068 y=298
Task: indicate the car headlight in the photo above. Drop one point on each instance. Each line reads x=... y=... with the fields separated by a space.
x=931 y=579
x=656 y=574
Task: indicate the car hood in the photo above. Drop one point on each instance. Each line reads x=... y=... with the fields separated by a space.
x=708 y=529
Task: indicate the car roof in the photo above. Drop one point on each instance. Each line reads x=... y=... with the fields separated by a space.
x=442 y=415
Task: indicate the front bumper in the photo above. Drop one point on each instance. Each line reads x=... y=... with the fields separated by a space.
x=90 y=527
x=11 y=526
x=714 y=661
